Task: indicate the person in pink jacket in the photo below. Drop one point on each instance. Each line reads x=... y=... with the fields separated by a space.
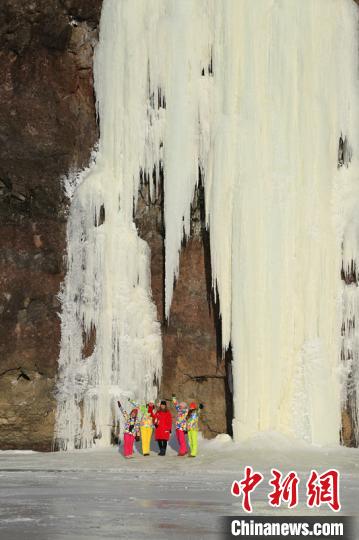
x=131 y=430
x=181 y=425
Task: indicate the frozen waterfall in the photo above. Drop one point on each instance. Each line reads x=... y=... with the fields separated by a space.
x=261 y=97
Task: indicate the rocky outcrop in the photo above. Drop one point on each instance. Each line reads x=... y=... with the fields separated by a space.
x=47 y=127
x=193 y=367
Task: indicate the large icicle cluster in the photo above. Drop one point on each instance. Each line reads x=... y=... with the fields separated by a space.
x=258 y=96
x=107 y=287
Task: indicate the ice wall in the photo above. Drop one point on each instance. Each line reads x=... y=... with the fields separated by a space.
x=257 y=96
x=107 y=287
x=282 y=91
x=296 y=92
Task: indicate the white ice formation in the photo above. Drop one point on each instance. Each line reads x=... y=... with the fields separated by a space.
x=258 y=95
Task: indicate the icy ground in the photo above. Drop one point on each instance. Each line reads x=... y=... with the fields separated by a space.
x=98 y=494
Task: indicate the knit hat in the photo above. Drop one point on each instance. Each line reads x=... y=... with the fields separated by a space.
x=183 y=405
x=193 y=405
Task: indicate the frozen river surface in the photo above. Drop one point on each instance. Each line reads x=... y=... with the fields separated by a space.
x=98 y=494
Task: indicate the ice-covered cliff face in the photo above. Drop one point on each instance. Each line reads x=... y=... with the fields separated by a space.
x=256 y=96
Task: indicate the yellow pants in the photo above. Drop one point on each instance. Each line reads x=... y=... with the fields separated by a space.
x=146 y=434
x=193 y=441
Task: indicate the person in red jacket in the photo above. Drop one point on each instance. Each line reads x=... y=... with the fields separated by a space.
x=162 y=419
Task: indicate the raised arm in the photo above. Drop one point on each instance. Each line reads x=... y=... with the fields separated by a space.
x=200 y=407
x=124 y=413
x=175 y=402
x=134 y=404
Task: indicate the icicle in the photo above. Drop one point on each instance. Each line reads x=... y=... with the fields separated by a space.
x=189 y=51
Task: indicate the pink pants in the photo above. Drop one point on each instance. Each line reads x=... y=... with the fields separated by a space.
x=128 y=441
x=181 y=441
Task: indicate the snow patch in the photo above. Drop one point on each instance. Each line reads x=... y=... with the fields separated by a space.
x=18 y=452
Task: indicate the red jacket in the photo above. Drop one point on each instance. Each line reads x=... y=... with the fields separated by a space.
x=163 y=424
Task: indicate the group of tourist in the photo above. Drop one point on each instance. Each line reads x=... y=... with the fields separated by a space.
x=142 y=419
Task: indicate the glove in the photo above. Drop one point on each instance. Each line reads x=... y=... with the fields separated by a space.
x=119 y=404
x=201 y=406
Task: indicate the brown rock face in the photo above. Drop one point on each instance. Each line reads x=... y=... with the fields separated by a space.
x=47 y=127
x=192 y=365
x=192 y=369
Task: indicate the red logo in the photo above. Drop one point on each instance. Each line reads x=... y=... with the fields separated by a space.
x=285 y=490
x=321 y=489
x=246 y=486
x=324 y=489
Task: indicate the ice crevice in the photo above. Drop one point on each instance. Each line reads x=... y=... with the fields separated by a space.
x=264 y=101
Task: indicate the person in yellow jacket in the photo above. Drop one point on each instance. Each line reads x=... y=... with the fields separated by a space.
x=192 y=427
x=146 y=425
